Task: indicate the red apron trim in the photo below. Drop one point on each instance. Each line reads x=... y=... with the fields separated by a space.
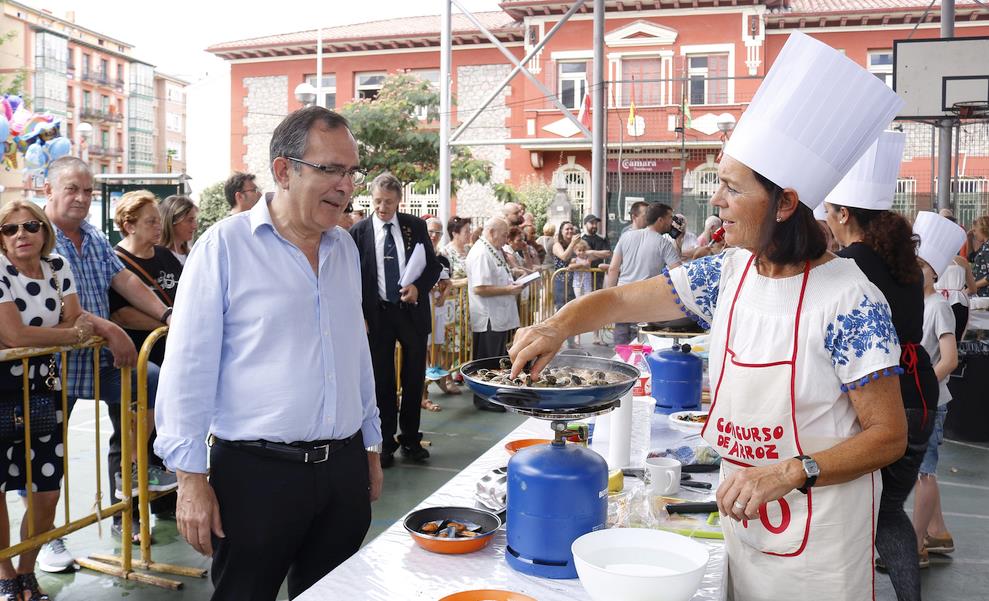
x=803 y=543
x=872 y=521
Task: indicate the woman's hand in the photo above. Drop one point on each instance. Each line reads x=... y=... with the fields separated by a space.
x=84 y=327
x=753 y=487
x=538 y=343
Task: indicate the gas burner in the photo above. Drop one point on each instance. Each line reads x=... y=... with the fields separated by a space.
x=563 y=415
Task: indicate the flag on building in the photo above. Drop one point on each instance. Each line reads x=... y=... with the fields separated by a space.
x=631 y=105
x=685 y=111
x=585 y=111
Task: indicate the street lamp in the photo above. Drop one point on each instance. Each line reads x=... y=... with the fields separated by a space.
x=85 y=130
x=726 y=123
x=305 y=93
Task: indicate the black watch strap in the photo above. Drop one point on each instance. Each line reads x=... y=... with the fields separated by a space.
x=811 y=479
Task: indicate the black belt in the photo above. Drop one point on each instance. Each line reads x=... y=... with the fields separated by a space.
x=315 y=451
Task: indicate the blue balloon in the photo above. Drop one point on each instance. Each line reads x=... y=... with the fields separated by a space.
x=15 y=101
x=4 y=128
x=35 y=156
x=58 y=148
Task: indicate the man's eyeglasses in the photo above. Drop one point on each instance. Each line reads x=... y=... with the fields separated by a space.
x=435 y=233
x=10 y=229
x=249 y=190
x=356 y=175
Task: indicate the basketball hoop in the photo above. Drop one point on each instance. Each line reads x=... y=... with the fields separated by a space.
x=974 y=109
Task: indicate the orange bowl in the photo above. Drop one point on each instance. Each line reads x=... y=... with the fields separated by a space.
x=489 y=522
x=487 y=595
x=517 y=445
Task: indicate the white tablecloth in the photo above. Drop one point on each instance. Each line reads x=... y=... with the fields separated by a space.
x=978 y=320
x=392 y=567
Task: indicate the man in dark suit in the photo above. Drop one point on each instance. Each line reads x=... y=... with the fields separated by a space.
x=386 y=241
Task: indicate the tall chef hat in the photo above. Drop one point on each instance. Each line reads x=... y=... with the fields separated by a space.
x=871 y=183
x=940 y=240
x=813 y=116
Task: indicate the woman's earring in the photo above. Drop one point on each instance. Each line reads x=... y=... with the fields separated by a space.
x=779 y=219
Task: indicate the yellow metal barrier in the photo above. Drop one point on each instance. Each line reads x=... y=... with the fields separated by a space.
x=561 y=280
x=37 y=539
x=125 y=560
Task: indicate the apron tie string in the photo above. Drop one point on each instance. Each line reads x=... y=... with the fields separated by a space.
x=908 y=358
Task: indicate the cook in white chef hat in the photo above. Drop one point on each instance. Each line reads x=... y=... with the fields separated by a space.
x=940 y=240
x=813 y=116
x=871 y=182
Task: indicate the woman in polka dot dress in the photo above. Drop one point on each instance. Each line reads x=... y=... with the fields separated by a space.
x=38 y=307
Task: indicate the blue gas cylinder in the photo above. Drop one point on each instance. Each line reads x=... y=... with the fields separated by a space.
x=556 y=493
x=676 y=379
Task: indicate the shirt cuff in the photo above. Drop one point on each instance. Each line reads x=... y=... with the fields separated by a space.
x=371 y=432
x=183 y=454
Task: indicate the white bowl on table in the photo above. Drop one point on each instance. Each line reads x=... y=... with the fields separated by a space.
x=639 y=564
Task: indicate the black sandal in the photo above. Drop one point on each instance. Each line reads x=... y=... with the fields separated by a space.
x=29 y=584
x=10 y=589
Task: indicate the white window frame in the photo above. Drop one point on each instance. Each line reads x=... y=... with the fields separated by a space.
x=323 y=92
x=579 y=90
x=883 y=72
x=173 y=122
x=422 y=112
x=708 y=49
x=358 y=87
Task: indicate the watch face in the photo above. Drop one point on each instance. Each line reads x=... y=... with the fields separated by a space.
x=811 y=467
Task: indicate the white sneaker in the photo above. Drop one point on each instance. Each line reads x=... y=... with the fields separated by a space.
x=55 y=557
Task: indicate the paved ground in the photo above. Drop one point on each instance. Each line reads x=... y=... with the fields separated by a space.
x=459 y=434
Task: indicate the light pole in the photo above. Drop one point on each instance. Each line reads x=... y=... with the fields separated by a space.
x=305 y=93
x=85 y=130
x=726 y=123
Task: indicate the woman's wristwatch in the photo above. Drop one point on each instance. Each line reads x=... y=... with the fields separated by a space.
x=811 y=470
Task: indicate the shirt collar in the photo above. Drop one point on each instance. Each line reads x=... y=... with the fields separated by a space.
x=378 y=223
x=260 y=215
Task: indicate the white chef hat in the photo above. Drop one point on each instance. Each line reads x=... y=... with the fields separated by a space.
x=940 y=240
x=813 y=116
x=871 y=183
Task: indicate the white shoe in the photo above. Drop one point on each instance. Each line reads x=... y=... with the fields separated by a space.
x=55 y=557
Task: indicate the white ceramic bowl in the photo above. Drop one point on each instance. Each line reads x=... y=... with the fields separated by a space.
x=639 y=564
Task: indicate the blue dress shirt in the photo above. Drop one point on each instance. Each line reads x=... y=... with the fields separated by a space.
x=260 y=348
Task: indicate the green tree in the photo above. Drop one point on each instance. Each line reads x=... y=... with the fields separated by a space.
x=393 y=138
x=536 y=195
x=213 y=206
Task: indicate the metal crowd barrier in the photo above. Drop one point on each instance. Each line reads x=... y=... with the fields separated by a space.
x=123 y=565
x=561 y=281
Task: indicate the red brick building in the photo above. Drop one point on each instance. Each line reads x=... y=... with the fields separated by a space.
x=686 y=66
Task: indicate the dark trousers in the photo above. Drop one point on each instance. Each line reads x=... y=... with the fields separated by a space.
x=489 y=344
x=282 y=518
x=395 y=324
x=895 y=537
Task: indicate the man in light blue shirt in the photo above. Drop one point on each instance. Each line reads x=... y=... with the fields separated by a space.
x=267 y=352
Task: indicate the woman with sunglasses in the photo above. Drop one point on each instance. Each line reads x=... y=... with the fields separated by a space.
x=38 y=307
x=179 y=219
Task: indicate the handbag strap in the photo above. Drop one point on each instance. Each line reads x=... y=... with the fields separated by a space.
x=148 y=280
x=50 y=380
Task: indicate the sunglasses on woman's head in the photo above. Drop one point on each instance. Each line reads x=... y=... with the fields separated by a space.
x=10 y=229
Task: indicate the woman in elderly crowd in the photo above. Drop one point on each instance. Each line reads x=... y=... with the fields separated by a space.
x=38 y=307
x=140 y=223
x=801 y=342
x=179 y=218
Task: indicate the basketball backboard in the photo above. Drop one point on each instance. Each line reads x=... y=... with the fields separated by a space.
x=932 y=75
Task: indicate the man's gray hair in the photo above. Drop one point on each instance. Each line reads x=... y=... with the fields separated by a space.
x=434 y=221
x=494 y=222
x=64 y=165
x=291 y=137
x=388 y=183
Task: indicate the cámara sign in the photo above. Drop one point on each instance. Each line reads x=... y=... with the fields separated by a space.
x=641 y=165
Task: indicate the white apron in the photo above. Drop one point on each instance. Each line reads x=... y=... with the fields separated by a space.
x=817 y=546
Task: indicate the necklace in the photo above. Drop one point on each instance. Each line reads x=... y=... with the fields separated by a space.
x=498 y=257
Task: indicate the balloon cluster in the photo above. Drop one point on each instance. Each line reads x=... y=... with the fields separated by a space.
x=35 y=136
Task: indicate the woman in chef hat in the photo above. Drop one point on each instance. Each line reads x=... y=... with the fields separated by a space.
x=940 y=239
x=802 y=344
x=882 y=243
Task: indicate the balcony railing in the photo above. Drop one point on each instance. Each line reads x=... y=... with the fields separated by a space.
x=100 y=115
x=107 y=151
